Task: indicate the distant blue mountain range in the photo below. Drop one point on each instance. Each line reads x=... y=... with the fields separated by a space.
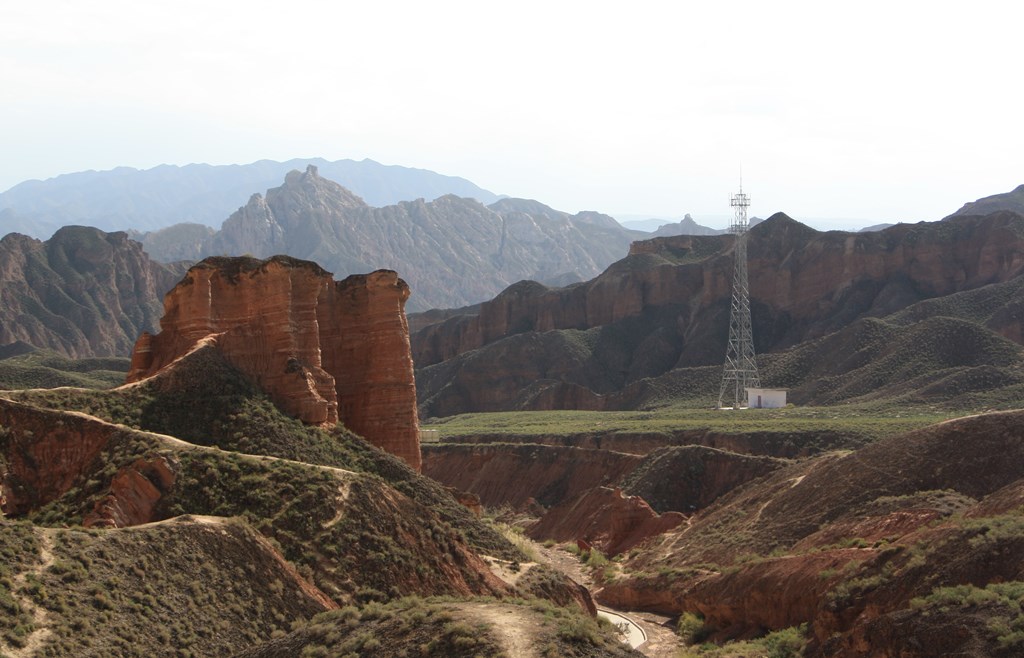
x=149 y=199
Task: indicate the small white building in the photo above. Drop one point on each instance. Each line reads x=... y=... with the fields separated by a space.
x=766 y=398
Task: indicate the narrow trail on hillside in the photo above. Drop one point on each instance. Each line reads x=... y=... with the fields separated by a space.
x=513 y=627
x=40 y=616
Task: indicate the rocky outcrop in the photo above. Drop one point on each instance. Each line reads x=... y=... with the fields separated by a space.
x=686 y=226
x=323 y=350
x=134 y=494
x=605 y=518
x=470 y=501
x=82 y=293
x=666 y=307
x=44 y=454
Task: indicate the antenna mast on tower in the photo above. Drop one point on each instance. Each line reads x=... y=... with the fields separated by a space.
x=740 y=363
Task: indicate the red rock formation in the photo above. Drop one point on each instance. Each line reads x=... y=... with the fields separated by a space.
x=134 y=494
x=604 y=518
x=364 y=340
x=263 y=316
x=312 y=344
x=845 y=543
x=470 y=501
x=47 y=452
x=64 y=445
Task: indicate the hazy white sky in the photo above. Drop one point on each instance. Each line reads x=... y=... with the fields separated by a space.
x=878 y=111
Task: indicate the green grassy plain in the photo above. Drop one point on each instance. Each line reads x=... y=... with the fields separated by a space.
x=44 y=369
x=870 y=421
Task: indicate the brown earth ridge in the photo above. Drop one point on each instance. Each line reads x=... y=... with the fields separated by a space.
x=325 y=351
x=48 y=454
x=327 y=536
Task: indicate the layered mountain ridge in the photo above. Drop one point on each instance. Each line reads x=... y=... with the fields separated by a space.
x=665 y=308
x=453 y=251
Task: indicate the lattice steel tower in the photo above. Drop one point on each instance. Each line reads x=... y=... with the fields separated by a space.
x=740 y=362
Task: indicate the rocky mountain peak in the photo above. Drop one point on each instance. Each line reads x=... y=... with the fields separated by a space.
x=780 y=230
x=454 y=250
x=781 y=217
x=295 y=176
x=17 y=240
x=308 y=190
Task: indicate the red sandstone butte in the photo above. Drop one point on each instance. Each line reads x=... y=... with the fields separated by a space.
x=325 y=351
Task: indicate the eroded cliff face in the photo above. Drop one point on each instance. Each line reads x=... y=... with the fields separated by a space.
x=43 y=458
x=135 y=491
x=324 y=351
x=44 y=454
x=583 y=486
x=364 y=341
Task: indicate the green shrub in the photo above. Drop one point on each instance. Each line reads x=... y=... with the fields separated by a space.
x=690 y=627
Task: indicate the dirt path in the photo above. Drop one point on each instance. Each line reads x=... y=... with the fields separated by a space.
x=512 y=626
x=662 y=642
x=39 y=615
